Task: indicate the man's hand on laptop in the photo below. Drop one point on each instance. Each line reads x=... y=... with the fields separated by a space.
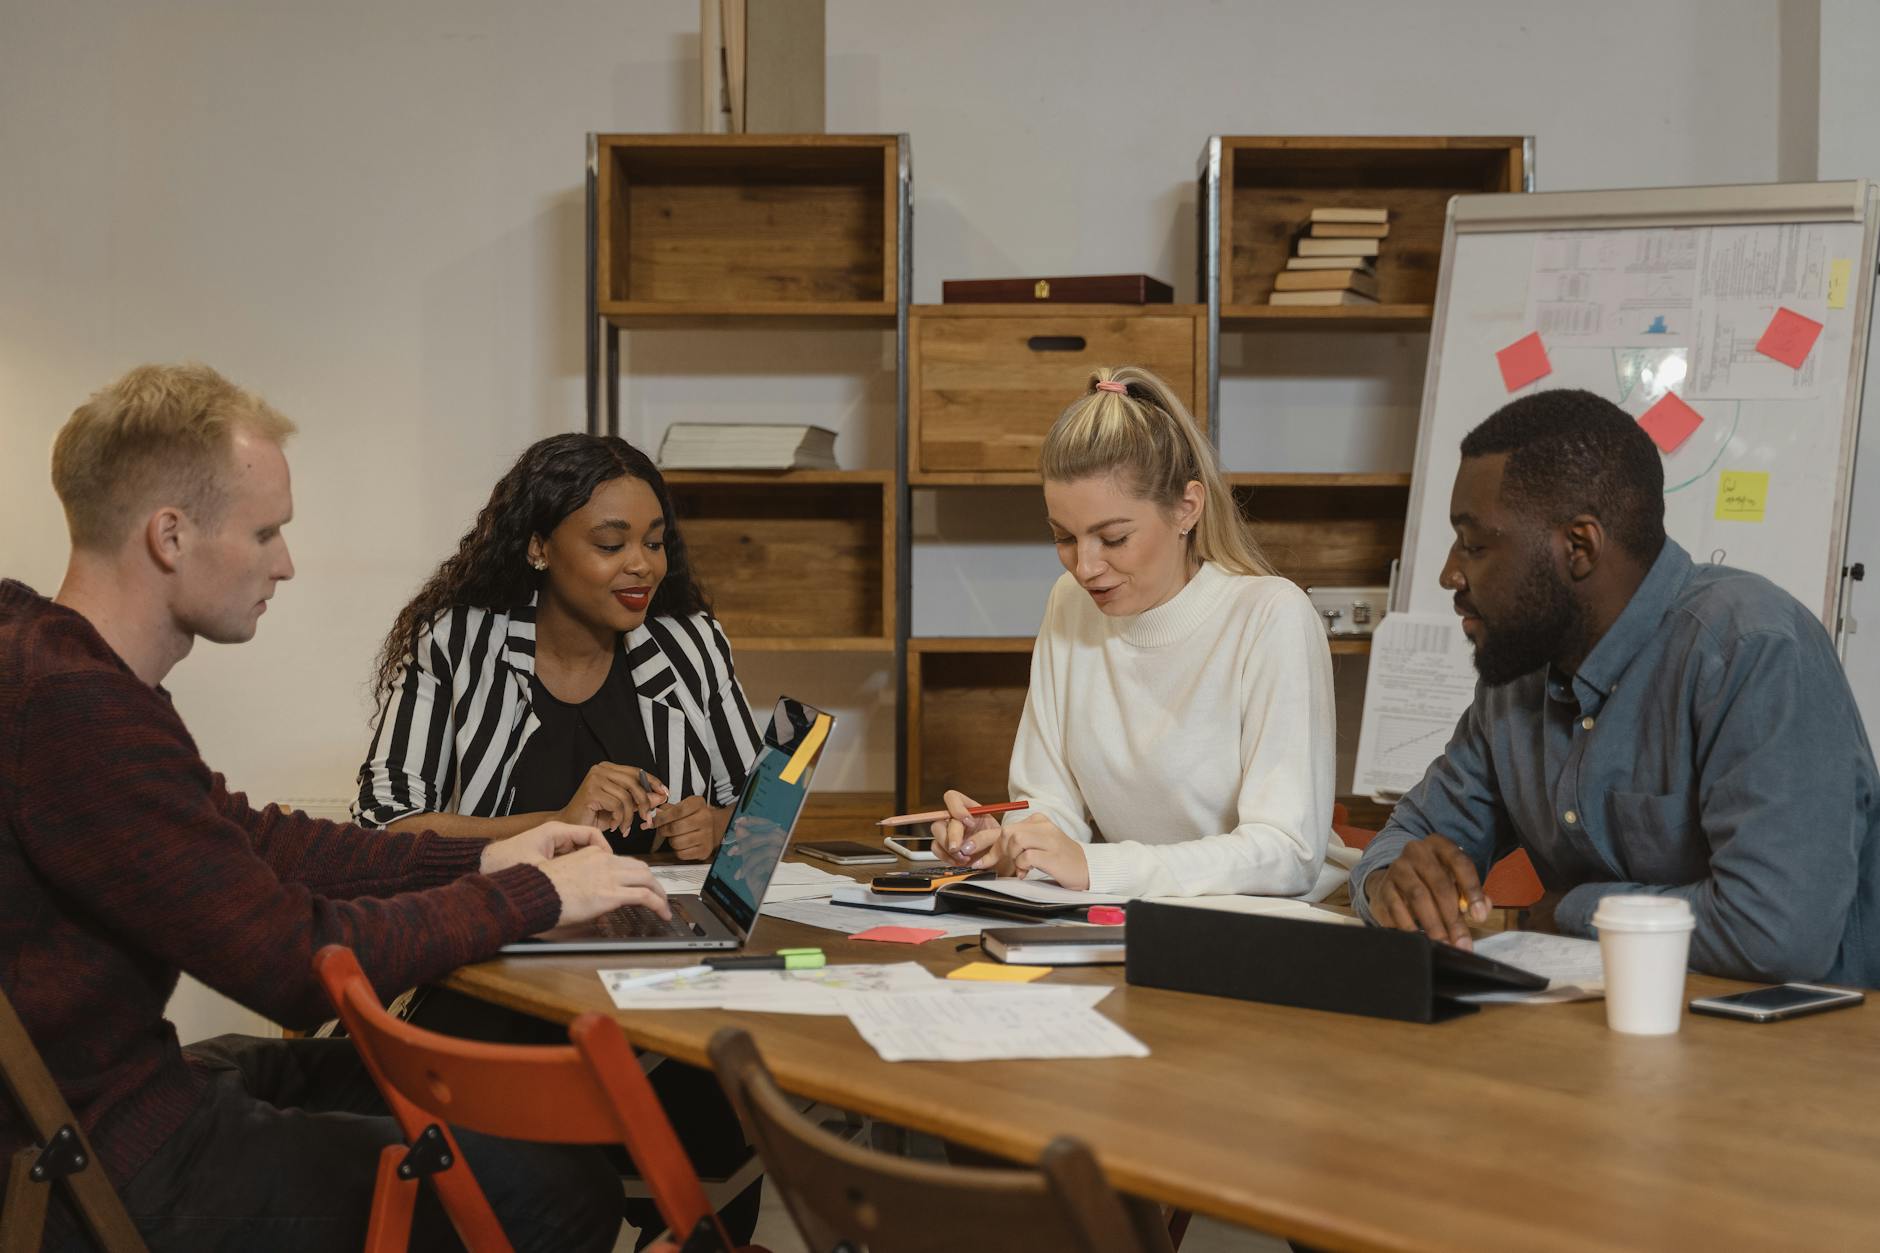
x=539 y=845
x=593 y=880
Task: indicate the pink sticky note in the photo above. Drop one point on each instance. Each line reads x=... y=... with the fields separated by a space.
x=1789 y=337
x=1524 y=361
x=899 y=935
x=1670 y=422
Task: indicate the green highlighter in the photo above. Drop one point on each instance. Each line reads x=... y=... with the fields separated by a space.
x=782 y=959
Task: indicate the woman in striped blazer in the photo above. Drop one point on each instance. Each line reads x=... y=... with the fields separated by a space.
x=562 y=664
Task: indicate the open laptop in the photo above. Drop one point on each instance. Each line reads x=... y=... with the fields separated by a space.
x=724 y=913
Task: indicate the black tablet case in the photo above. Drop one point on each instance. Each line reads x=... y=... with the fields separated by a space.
x=1312 y=965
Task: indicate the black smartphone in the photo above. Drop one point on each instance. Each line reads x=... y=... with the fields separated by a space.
x=1783 y=1000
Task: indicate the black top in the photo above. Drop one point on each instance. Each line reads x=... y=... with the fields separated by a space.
x=572 y=739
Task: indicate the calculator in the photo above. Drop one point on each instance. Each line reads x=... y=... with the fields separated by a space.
x=926 y=878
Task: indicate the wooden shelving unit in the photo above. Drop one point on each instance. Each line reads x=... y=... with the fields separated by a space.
x=987 y=380
x=766 y=231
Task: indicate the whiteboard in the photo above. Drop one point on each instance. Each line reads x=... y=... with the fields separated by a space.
x=1636 y=293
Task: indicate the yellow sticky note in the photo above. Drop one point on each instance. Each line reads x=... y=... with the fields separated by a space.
x=993 y=972
x=1840 y=272
x=812 y=740
x=1742 y=495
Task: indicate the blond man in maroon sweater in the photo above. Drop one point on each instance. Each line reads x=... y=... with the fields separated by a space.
x=124 y=860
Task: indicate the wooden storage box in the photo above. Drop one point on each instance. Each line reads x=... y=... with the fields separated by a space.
x=1328 y=529
x=1271 y=184
x=1078 y=289
x=985 y=382
x=755 y=224
x=802 y=559
x=964 y=700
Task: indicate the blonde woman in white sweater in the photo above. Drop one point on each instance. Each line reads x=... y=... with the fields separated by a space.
x=1177 y=737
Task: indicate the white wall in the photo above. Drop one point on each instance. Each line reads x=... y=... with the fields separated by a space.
x=373 y=214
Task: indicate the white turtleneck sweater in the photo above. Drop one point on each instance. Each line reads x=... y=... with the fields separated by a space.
x=1196 y=737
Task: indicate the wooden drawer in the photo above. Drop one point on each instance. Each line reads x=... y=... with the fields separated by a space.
x=986 y=382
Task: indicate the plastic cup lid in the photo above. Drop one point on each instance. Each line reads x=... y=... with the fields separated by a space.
x=1643 y=913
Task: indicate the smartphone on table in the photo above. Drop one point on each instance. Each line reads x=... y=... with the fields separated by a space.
x=844 y=852
x=1783 y=1000
x=913 y=847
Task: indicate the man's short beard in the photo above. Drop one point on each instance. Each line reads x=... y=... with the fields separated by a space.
x=1547 y=622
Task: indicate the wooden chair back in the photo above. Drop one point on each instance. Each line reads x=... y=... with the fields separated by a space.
x=60 y=1156
x=592 y=1092
x=845 y=1196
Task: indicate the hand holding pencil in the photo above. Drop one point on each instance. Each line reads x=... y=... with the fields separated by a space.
x=969 y=833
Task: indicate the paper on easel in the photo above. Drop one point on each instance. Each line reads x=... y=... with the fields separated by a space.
x=1422 y=678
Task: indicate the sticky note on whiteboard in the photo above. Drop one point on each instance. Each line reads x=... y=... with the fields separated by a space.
x=1840 y=274
x=1742 y=495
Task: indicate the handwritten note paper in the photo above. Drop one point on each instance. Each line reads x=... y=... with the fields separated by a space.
x=1015 y=1022
x=1789 y=338
x=765 y=991
x=1742 y=495
x=1523 y=361
x=1670 y=422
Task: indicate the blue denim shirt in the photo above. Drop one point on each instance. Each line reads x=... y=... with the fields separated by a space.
x=1709 y=748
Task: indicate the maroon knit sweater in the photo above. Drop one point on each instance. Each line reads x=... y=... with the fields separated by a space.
x=123 y=860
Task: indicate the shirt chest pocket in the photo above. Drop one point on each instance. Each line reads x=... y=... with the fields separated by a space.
x=1658 y=839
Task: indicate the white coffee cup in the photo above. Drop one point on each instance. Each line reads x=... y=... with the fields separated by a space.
x=1645 y=943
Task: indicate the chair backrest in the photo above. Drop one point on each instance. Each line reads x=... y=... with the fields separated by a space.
x=840 y=1193
x=594 y=1092
x=36 y=1097
x=1353 y=837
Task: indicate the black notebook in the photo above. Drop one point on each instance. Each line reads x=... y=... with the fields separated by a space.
x=1069 y=945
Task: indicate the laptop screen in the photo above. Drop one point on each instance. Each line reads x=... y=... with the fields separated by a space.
x=759 y=829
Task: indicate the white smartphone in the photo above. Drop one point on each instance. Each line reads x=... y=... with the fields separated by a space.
x=1783 y=1000
x=913 y=847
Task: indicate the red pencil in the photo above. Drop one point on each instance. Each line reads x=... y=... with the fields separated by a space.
x=935 y=815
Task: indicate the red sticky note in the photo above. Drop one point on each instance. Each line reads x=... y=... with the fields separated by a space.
x=1789 y=337
x=1670 y=422
x=899 y=935
x=1524 y=361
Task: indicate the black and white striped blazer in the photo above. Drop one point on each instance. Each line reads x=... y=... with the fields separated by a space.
x=449 y=734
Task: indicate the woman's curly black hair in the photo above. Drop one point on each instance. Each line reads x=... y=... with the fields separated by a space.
x=490 y=569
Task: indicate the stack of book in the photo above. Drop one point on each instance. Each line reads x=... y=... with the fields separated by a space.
x=1335 y=262
x=746 y=446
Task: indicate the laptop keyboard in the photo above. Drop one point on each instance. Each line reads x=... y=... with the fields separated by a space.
x=637 y=920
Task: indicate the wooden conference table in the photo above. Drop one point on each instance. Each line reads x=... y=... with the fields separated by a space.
x=1520 y=1127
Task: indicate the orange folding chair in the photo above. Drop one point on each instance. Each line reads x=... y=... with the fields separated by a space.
x=591 y=1093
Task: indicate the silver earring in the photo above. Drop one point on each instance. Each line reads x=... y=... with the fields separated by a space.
x=538 y=563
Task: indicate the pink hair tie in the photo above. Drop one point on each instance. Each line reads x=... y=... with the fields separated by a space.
x=1108 y=386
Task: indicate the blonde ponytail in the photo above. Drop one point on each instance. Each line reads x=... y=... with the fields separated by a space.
x=1145 y=434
